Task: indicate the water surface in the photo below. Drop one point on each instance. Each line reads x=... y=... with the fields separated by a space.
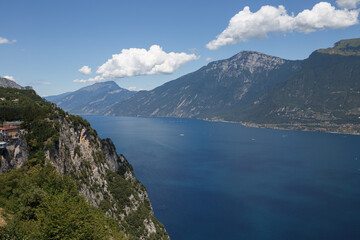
x=213 y=181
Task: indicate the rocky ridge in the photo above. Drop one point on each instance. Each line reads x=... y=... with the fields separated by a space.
x=212 y=92
x=6 y=83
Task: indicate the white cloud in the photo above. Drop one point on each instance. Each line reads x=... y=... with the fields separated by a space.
x=9 y=77
x=131 y=88
x=208 y=59
x=322 y=16
x=85 y=70
x=6 y=41
x=247 y=25
x=347 y=3
x=139 y=61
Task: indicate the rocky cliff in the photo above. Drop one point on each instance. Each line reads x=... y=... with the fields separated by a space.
x=14 y=156
x=73 y=148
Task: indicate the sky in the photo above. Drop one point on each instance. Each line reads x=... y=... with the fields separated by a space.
x=60 y=46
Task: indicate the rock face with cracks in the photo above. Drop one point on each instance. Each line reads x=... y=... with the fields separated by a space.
x=105 y=178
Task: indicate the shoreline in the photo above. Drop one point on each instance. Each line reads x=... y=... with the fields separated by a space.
x=299 y=127
x=290 y=127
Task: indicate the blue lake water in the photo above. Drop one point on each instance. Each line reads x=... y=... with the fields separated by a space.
x=214 y=181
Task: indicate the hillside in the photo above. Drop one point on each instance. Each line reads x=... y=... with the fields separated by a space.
x=61 y=181
x=324 y=95
x=92 y=99
x=213 y=90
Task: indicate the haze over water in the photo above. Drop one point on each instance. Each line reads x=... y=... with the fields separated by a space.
x=212 y=180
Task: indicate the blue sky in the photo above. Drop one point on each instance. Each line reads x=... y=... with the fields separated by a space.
x=49 y=41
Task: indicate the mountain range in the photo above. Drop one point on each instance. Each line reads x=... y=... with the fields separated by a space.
x=320 y=93
x=212 y=91
x=323 y=95
x=94 y=99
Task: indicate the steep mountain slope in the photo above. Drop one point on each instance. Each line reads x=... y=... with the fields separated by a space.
x=68 y=144
x=56 y=98
x=211 y=91
x=92 y=99
x=323 y=95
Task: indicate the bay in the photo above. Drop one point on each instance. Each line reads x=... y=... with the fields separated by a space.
x=214 y=180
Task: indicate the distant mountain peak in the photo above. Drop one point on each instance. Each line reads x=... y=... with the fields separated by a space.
x=246 y=53
x=106 y=83
x=248 y=61
x=92 y=99
x=218 y=88
x=98 y=85
x=7 y=83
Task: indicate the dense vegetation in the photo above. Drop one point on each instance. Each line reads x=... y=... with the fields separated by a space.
x=39 y=202
x=18 y=104
x=39 y=118
x=43 y=204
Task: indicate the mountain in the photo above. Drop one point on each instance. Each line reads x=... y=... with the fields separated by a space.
x=7 y=83
x=349 y=47
x=56 y=98
x=92 y=99
x=59 y=180
x=323 y=95
x=320 y=93
x=212 y=91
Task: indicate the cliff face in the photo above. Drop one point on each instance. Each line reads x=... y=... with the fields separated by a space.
x=105 y=178
x=14 y=156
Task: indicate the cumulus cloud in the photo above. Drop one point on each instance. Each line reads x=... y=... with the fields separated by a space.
x=208 y=59
x=6 y=41
x=347 y=3
x=138 y=61
x=9 y=77
x=85 y=70
x=247 y=25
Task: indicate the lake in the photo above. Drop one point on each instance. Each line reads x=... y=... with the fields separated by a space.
x=218 y=181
